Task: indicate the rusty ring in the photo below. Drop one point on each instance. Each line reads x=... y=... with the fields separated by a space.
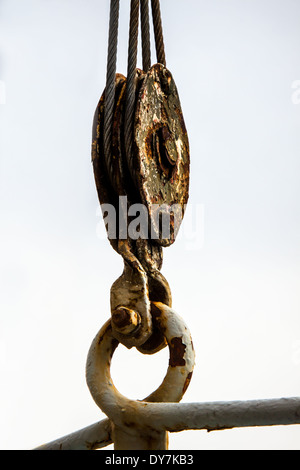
x=175 y=383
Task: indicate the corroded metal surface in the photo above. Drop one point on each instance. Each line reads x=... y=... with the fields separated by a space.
x=130 y=290
x=111 y=172
x=161 y=149
x=141 y=280
x=103 y=166
x=112 y=179
x=181 y=363
x=155 y=174
x=124 y=413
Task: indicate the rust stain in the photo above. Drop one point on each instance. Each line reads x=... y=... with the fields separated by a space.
x=216 y=428
x=107 y=329
x=187 y=382
x=121 y=317
x=177 y=350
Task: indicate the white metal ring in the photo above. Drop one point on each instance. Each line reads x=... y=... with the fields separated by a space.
x=181 y=364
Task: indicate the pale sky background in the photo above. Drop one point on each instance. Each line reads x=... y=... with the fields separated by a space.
x=234 y=63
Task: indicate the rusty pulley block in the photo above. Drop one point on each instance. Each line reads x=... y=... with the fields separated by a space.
x=151 y=177
x=156 y=173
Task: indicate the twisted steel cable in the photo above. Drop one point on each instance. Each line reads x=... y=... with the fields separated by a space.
x=158 y=32
x=131 y=81
x=110 y=76
x=145 y=28
x=135 y=7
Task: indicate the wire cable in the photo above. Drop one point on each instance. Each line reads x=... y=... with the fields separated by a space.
x=145 y=28
x=158 y=32
x=110 y=75
x=131 y=82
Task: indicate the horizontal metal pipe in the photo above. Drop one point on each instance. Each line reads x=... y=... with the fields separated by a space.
x=92 y=437
x=176 y=417
x=225 y=415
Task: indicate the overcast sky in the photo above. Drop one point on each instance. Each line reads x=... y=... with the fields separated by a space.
x=234 y=271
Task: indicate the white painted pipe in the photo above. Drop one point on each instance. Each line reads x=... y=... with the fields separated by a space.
x=176 y=417
x=92 y=437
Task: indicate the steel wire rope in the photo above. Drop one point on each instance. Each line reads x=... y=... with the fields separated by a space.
x=110 y=76
x=158 y=32
x=135 y=6
x=145 y=31
x=131 y=82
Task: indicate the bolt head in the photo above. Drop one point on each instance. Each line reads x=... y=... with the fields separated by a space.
x=125 y=320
